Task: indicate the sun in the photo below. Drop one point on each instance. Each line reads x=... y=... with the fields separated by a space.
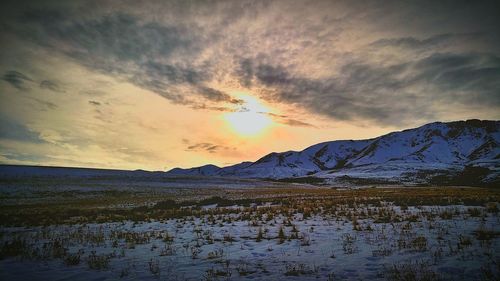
x=251 y=119
x=248 y=123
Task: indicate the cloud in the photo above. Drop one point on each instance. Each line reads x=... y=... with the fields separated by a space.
x=433 y=42
x=245 y=72
x=93 y=92
x=204 y=106
x=464 y=78
x=22 y=158
x=388 y=95
x=51 y=85
x=347 y=61
x=288 y=121
x=218 y=96
x=20 y=80
x=11 y=129
x=380 y=63
x=16 y=79
x=132 y=49
x=44 y=105
x=297 y=123
x=206 y=147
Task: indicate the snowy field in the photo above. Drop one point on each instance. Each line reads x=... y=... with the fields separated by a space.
x=64 y=189
x=255 y=233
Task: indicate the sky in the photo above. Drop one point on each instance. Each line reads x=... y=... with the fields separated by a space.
x=160 y=84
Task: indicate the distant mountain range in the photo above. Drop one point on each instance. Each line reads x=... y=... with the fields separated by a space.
x=461 y=153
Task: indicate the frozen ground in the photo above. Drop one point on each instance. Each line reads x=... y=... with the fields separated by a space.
x=16 y=189
x=370 y=234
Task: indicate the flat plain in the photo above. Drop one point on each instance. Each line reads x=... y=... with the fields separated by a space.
x=100 y=228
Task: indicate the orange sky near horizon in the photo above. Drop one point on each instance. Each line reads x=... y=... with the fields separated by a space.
x=133 y=128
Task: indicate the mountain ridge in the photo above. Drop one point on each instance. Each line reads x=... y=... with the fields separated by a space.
x=416 y=155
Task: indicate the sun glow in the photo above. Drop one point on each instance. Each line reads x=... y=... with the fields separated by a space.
x=251 y=119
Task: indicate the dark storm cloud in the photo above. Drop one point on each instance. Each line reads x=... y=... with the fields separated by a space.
x=470 y=78
x=217 y=96
x=129 y=48
x=392 y=94
x=111 y=37
x=346 y=60
x=245 y=72
x=16 y=79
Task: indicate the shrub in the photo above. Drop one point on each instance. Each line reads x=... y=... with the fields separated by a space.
x=154 y=267
x=281 y=235
x=260 y=235
x=72 y=259
x=297 y=269
x=166 y=205
x=419 y=244
x=418 y=271
x=98 y=262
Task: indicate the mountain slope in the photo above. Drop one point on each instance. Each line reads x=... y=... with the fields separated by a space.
x=414 y=155
x=207 y=170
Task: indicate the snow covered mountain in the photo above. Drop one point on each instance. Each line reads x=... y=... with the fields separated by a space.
x=434 y=153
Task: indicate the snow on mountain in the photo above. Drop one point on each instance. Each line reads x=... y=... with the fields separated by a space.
x=434 y=148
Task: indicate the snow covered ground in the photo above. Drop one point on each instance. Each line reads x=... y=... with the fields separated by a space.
x=319 y=240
